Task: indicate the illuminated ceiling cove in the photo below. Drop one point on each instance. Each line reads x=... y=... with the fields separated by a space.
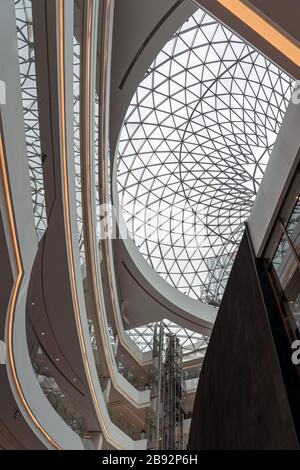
x=193 y=149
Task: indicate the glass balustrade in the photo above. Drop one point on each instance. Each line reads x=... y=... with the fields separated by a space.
x=56 y=396
x=286 y=263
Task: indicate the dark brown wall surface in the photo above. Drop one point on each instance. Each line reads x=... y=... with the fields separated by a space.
x=241 y=401
x=284 y=14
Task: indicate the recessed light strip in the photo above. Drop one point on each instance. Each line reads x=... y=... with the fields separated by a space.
x=87 y=152
x=62 y=84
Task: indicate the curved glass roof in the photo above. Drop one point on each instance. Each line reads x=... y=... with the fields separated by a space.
x=193 y=149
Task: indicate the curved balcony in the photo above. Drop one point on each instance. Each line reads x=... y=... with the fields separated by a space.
x=39 y=426
x=85 y=99
x=114 y=308
x=60 y=255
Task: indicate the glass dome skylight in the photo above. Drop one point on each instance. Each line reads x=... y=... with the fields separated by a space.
x=193 y=149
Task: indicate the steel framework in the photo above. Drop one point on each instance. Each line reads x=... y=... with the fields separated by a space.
x=189 y=340
x=30 y=108
x=166 y=426
x=195 y=143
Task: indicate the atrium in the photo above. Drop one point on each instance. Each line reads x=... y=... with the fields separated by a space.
x=149 y=225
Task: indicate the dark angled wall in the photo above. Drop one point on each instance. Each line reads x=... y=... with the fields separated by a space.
x=241 y=401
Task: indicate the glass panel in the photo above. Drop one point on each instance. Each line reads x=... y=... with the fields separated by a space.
x=293 y=227
x=294 y=300
x=286 y=267
x=292 y=293
x=191 y=372
x=281 y=254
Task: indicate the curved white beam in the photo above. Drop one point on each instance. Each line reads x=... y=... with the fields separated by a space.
x=111 y=433
x=60 y=63
x=16 y=209
x=125 y=342
x=89 y=38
